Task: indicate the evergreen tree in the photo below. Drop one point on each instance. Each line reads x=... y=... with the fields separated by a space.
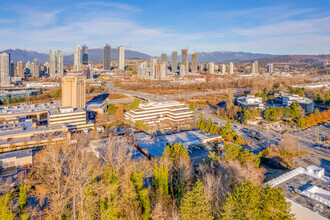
x=160 y=180
x=5 y=211
x=109 y=204
x=135 y=104
x=111 y=109
x=195 y=205
x=250 y=201
x=22 y=202
x=143 y=195
x=192 y=106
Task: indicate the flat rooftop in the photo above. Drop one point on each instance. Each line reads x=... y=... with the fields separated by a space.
x=24 y=108
x=57 y=111
x=155 y=146
x=300 y=183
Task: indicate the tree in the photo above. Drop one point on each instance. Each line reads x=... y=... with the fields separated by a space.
x=135 y=104
x=5 y=209
x=195 y=205
x=289 y=145
x=250 y=201
x=192 y=106
x=180 y=172
x=111 y=109
x=22 y=202
x=143 y=195
x=160 y=180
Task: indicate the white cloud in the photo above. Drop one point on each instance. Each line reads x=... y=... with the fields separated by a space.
x=120 y=6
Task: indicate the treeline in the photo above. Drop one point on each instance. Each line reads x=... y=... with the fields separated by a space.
x=226 y=131
x=323 y=101
x=237 y=113
x=294 y=112
x=313 y=119
x=67 y=182
x=213 y=84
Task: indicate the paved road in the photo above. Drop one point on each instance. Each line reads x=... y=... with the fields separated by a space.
x=155 y=98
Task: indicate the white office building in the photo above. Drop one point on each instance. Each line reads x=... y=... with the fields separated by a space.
x=250 y=101
x=74 y=118
x=157 y=112
x=121 y=58
x=304 y=102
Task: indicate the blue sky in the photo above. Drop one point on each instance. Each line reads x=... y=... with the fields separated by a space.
x=153 y=27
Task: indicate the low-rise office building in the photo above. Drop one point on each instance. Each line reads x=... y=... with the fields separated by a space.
x=74 y=118
x=26 y=134
x=306 y=103
x=250 y=101
x=171 y=112
x=37 y=112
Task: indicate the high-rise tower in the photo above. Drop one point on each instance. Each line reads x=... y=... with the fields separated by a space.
x=60 y=70
x=153 y=62
x=73 y=91
x=20 y=69
x=174 y=62
x=121 y=58
x=184 y=58
x=52 y=63
x=5 y=69
x=231 y=68
x=36 y=68
x=84 y=55
x=76 y=65
x=194 y=62
x=107 y=57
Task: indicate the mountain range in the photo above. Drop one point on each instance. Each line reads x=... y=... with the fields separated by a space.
x=96 y=56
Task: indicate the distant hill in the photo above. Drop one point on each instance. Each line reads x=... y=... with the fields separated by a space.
x=310 y=59
x=228 y=56
x=26 y=55
x=94 y=55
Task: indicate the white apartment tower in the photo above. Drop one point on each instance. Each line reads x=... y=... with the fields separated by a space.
x=142 y=70
x=174 y=62
x=231 y=68
x=5 y=69
x=153 y=62
x=121 y=58
x=60 y=63
x=211 y=68
x=76 y=59
x=223 y=70
x=182 y=70
x=36 y=68
x=52 y=63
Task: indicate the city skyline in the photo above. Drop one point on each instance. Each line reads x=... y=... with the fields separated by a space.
x=298 y=27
